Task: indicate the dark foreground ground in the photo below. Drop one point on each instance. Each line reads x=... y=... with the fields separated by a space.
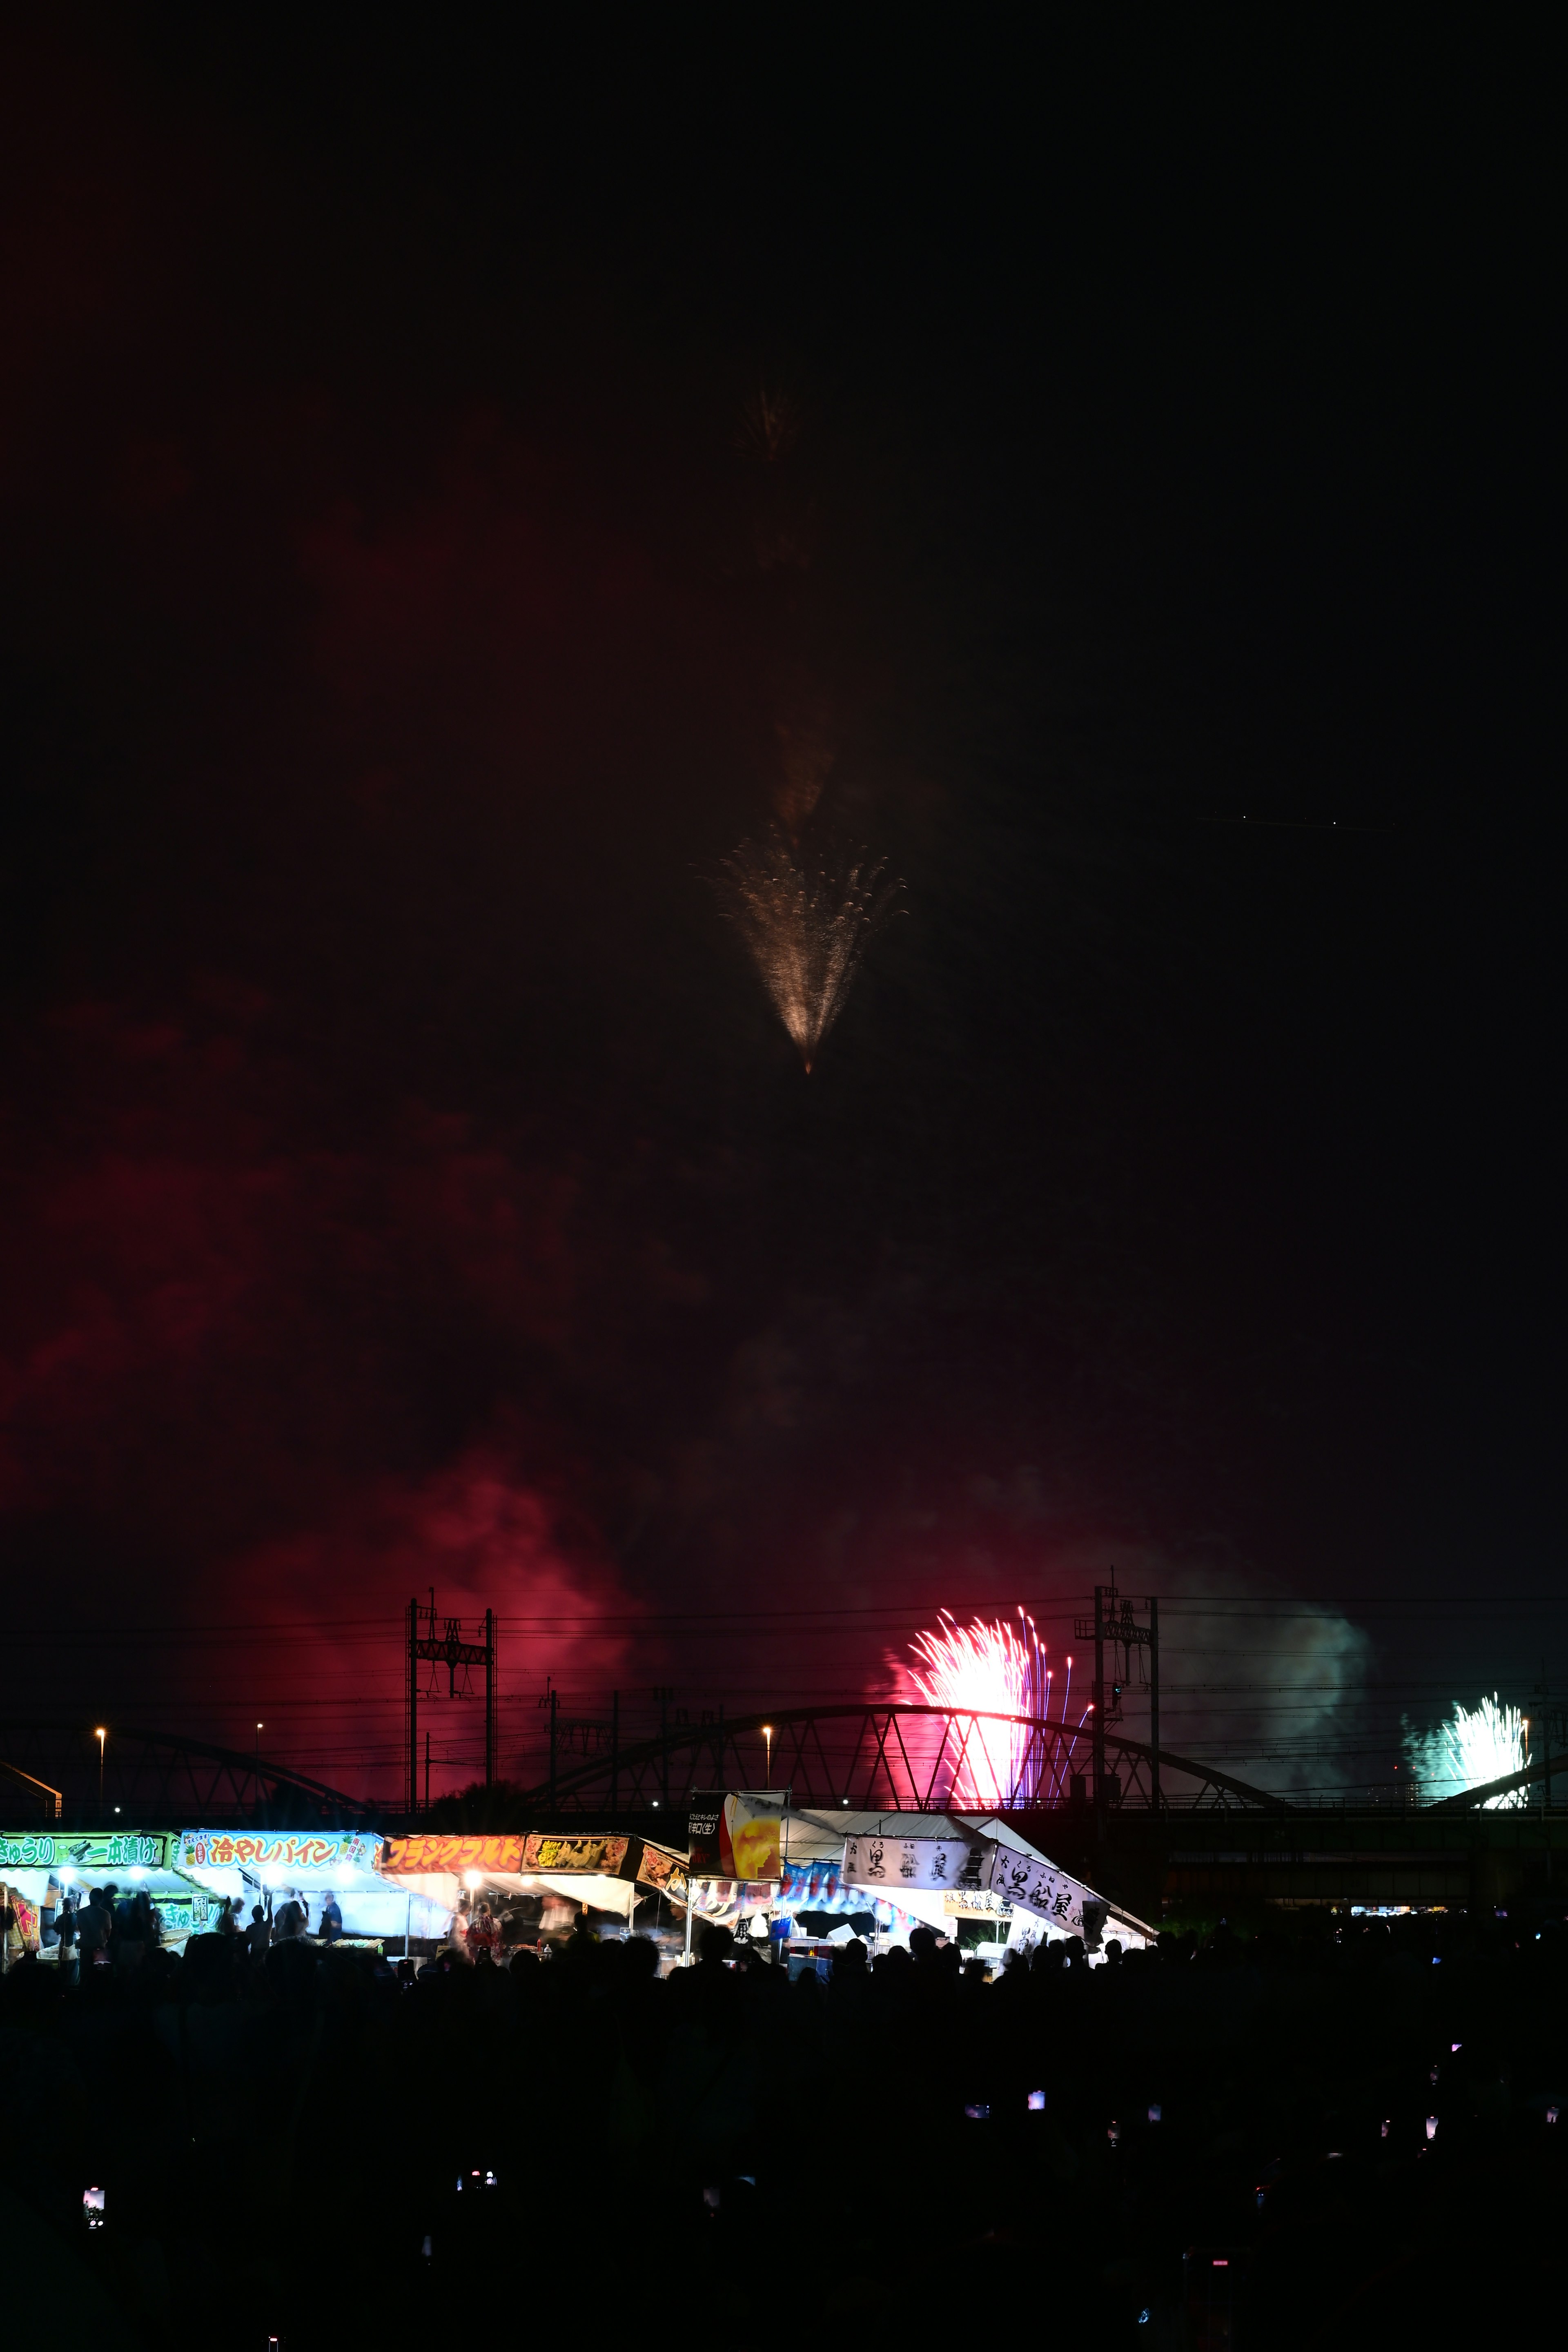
x=1358 y=2127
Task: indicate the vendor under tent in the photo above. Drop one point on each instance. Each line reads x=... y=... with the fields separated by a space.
x=39 y=1869
x=808 y=1899
x=611 y=1874
x=272 y=1869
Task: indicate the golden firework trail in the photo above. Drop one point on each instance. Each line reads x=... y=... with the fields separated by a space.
x=805 y=917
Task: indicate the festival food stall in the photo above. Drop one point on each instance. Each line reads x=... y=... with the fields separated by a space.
x=823 y=1873
x=582 y=1871
x=275 y=1867
x=38 y=1867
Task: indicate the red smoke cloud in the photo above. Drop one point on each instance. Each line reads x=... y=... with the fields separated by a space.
x=483 y=1539
x=215 y=1336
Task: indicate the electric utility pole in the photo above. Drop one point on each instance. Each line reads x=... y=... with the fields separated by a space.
x=451 y=1649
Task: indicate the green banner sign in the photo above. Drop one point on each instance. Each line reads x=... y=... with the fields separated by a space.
x=93 y=1850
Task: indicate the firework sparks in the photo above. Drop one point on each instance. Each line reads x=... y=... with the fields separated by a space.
x=805 y=919
x=995 y=1669
x=769 y=426
x=1477 y=1744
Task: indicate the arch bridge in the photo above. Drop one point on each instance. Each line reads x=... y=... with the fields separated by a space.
x=893 y=1759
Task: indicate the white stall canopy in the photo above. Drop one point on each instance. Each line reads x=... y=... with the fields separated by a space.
x=305 y=1867
x=912 y=1858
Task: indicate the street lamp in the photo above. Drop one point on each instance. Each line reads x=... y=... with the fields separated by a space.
x=100 y=1735
x=768 y=1735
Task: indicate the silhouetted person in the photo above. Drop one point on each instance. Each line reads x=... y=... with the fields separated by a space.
x=93 y=1928
x=66 y=1931
x=133 y=1930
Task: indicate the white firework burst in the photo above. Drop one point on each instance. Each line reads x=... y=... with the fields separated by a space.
x=1476 y=1745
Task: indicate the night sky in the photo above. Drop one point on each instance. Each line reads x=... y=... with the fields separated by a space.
x=406 y=1181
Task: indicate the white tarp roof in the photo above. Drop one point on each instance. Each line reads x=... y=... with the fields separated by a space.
x=444 y=1887
x=820 y=1837
x=35 y=1883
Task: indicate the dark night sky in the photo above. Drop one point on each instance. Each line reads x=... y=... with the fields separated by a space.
x=406 y=1178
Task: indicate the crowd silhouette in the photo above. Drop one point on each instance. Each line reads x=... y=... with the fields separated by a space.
x=1347 y=2126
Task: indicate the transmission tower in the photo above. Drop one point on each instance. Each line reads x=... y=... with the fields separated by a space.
x=451 y=1648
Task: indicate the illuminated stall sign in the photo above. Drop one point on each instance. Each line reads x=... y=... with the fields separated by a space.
x=413 y=1856
x=577 y=1854
x=663 y=1872
x=223 y=1849
x=604 y=1858
x=95 y=1850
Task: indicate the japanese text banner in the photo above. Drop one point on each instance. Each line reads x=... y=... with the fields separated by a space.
x=936 y=1863
x=951 y=1865
x=416 y=1856
x=1039 y=1886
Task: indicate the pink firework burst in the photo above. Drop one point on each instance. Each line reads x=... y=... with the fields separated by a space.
x=988 y=1670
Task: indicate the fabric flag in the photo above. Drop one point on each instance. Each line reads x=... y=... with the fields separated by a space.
x=939 y=1864
x=1039 y=1886
x=735 y=1833
x=955 y=1866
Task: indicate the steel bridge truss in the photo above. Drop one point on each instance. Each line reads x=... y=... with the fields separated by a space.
x=892 y=1759
x=155 y=1778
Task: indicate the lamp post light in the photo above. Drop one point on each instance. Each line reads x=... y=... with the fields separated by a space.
x=768 y=1735
x=100 y=1735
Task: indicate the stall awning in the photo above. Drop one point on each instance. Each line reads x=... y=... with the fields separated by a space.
x=537 y=1855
